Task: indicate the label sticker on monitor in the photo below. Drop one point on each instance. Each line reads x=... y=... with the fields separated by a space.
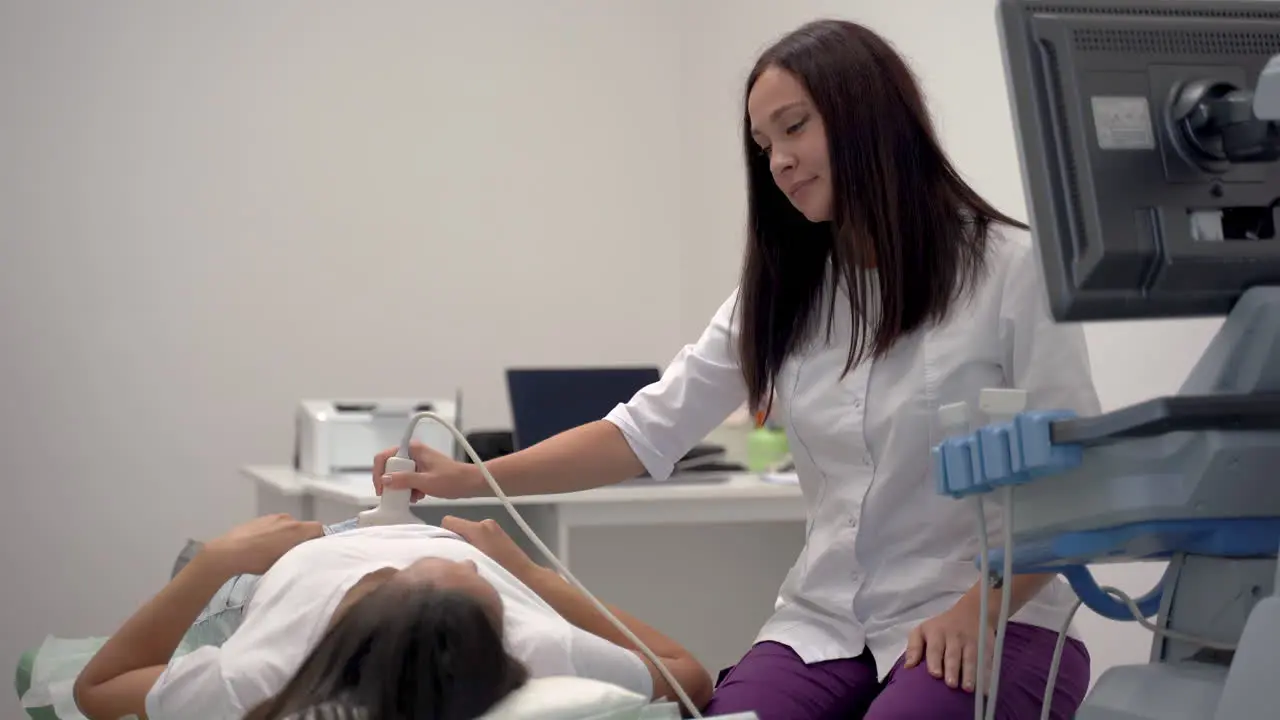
x=1123 y=123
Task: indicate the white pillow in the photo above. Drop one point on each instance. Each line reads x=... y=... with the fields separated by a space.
x=569 y=698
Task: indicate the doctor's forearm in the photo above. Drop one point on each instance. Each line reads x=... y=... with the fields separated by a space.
x=589 y=456
x=1023 y=587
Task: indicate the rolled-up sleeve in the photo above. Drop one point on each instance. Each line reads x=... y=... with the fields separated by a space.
x=1047 y=359
x=193 y=686
x=699 y=389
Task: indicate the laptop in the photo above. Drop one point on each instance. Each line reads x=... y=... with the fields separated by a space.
x=548 y=401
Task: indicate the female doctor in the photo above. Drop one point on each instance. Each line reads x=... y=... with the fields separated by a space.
x=877 y=287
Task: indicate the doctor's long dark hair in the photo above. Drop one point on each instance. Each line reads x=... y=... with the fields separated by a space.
x=897 y=204
x=402 y=652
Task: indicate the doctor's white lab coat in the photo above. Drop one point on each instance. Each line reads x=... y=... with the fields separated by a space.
x=884 y=552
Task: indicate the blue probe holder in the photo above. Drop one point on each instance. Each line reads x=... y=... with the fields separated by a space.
x=1015 y=453
x=1008 y=453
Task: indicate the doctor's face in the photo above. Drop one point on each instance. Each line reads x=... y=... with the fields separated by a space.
x=788 y=130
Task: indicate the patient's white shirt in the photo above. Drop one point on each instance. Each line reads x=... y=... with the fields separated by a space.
x=293 y=602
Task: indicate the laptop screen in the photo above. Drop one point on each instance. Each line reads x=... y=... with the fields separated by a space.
x=548 y=401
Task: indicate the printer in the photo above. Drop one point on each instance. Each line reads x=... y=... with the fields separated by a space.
x=337 y=437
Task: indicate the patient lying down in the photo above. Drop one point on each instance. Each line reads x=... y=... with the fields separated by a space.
x=400 y=622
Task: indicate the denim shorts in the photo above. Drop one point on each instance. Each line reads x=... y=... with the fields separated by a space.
x=224 y=613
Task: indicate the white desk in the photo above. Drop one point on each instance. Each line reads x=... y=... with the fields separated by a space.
x=701 y=562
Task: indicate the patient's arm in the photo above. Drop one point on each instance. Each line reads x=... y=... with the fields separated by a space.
x=579 y=610
x=489 y=538
x=116 y=681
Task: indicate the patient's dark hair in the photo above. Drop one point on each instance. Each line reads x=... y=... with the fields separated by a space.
x=402 y=652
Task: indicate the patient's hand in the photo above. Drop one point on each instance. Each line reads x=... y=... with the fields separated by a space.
x=489 y=538
x=253 y=547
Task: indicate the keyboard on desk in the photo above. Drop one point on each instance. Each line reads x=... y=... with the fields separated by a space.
x=701 y=477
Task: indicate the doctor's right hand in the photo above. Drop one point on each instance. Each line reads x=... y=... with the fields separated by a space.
x=436 y=475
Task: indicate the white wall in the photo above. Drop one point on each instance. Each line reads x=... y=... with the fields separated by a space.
x=953 y=47
x=208 y=211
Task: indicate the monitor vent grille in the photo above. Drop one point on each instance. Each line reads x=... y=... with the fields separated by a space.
x=1195 y=12
x=1176 y=42
x=1071 y=172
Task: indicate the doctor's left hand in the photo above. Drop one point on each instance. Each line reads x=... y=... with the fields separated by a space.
x=948 y=645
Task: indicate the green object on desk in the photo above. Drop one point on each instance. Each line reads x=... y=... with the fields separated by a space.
x=766 y=447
